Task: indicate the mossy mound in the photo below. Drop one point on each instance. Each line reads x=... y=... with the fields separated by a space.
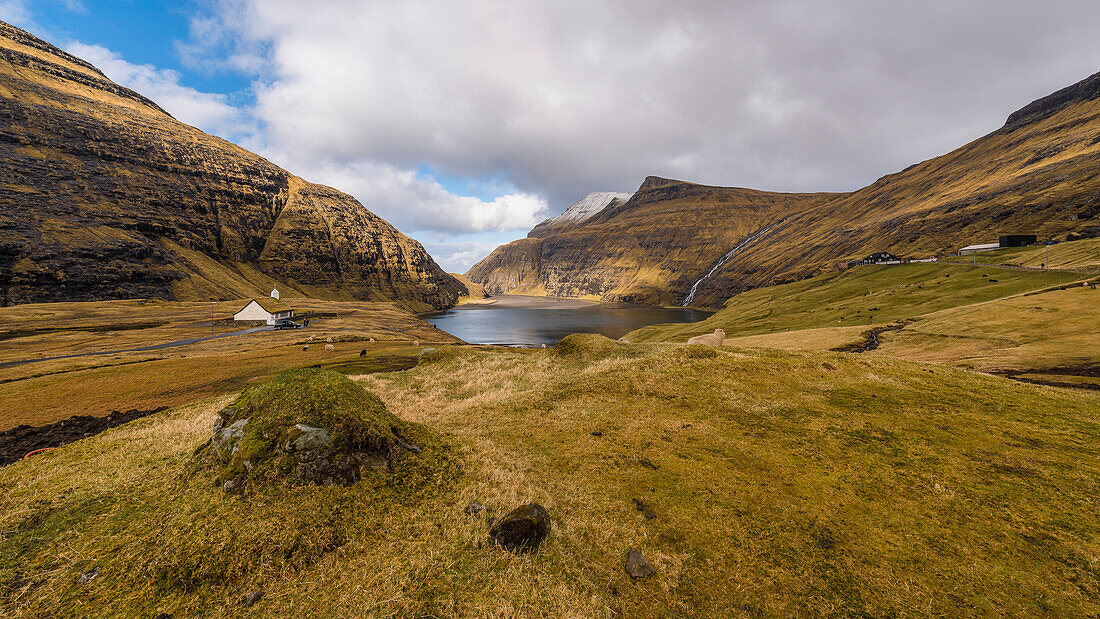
x=589 y=346
x=308 y=425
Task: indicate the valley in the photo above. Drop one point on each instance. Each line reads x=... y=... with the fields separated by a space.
x=534 y=437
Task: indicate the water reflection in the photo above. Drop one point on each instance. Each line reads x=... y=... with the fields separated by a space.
x=546 y=322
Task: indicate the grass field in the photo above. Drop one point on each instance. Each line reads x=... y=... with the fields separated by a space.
x=1031 y=324
x=868 y=295
x=781 y=483
x=47 y=391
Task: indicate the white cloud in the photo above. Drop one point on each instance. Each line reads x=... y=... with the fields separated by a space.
x=208 y=111
x=411 y=201
x=16 y=12
x=571 y=96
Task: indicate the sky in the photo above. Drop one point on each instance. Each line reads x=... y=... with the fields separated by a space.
x=465 y=123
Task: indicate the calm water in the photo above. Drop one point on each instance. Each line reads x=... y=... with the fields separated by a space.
x=546 y=324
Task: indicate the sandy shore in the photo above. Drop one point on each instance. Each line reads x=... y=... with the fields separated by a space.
x=515 y=301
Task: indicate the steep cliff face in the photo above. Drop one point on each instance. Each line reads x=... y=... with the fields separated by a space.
x=105 y=195
x=515 y=267
x=643 y=250
x=1039 y=174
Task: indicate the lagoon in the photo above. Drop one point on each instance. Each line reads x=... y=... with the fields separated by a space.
x=532 y=321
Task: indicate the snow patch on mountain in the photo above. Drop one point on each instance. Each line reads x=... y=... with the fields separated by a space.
x=587 y=207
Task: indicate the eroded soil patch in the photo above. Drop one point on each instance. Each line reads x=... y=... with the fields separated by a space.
x=21 y=440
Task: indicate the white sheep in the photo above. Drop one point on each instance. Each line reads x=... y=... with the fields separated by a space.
x=328 y=339
x=372 y=340
x=714 y=340
x=416 y=342
x=330 y=348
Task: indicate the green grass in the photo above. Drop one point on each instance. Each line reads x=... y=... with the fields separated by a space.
x=783 y=484
x=867 y=295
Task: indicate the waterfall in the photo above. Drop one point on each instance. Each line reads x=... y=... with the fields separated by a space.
x=724 y=259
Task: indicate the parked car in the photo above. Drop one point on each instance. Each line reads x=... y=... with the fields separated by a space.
x=286 y=323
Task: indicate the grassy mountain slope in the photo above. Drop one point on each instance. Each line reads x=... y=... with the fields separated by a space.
x=1039 y=173
x=981 y=316
x=641 y=250
x=105 y=195
x=780 y=484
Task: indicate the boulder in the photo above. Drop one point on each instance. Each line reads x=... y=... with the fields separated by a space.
x=308 y=425
x=521 y=530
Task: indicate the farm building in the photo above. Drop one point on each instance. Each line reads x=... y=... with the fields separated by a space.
x=266 y=309
x=980 y=247
x=1017 y=240
x=880 y=257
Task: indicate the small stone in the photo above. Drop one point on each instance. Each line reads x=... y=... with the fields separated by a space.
x=828 y=366
x=234 y=485
x=165 y=616
x=88 y=576
x=636 y=565
x=474 y=508
x=639 y=505
x=597 y=433
x=522 y=530
x=650 y=516
x=252 y=597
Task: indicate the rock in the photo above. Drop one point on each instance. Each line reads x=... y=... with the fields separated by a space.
x=522 y=529
x=597 y=433
x=639 y=505
x=88 y=576
x=309 y=438
x=828 y=366
x=252 y=597
x=474 y=508
x=164 y=616
x=636 y=565
x=227 y=439
x=236 y=484
x=650 y=515
x=426 y=351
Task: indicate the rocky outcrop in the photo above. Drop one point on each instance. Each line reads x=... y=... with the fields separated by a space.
x=516 y=266
x=1035 y=175
x=106 y=196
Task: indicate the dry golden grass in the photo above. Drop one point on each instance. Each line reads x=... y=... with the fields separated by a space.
x=783 y=484
x=47 y=391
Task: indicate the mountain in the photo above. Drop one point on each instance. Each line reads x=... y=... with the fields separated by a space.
x=105 y=196
x=1038 y=174
x=580 y=211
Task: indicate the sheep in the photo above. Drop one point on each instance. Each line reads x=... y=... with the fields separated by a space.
x=363 y=353
x=330 y=348
x=372 y=340
x=311 y=338
x=328 y=339
x=416 y=343
x=714 y=340
x=306 y=347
